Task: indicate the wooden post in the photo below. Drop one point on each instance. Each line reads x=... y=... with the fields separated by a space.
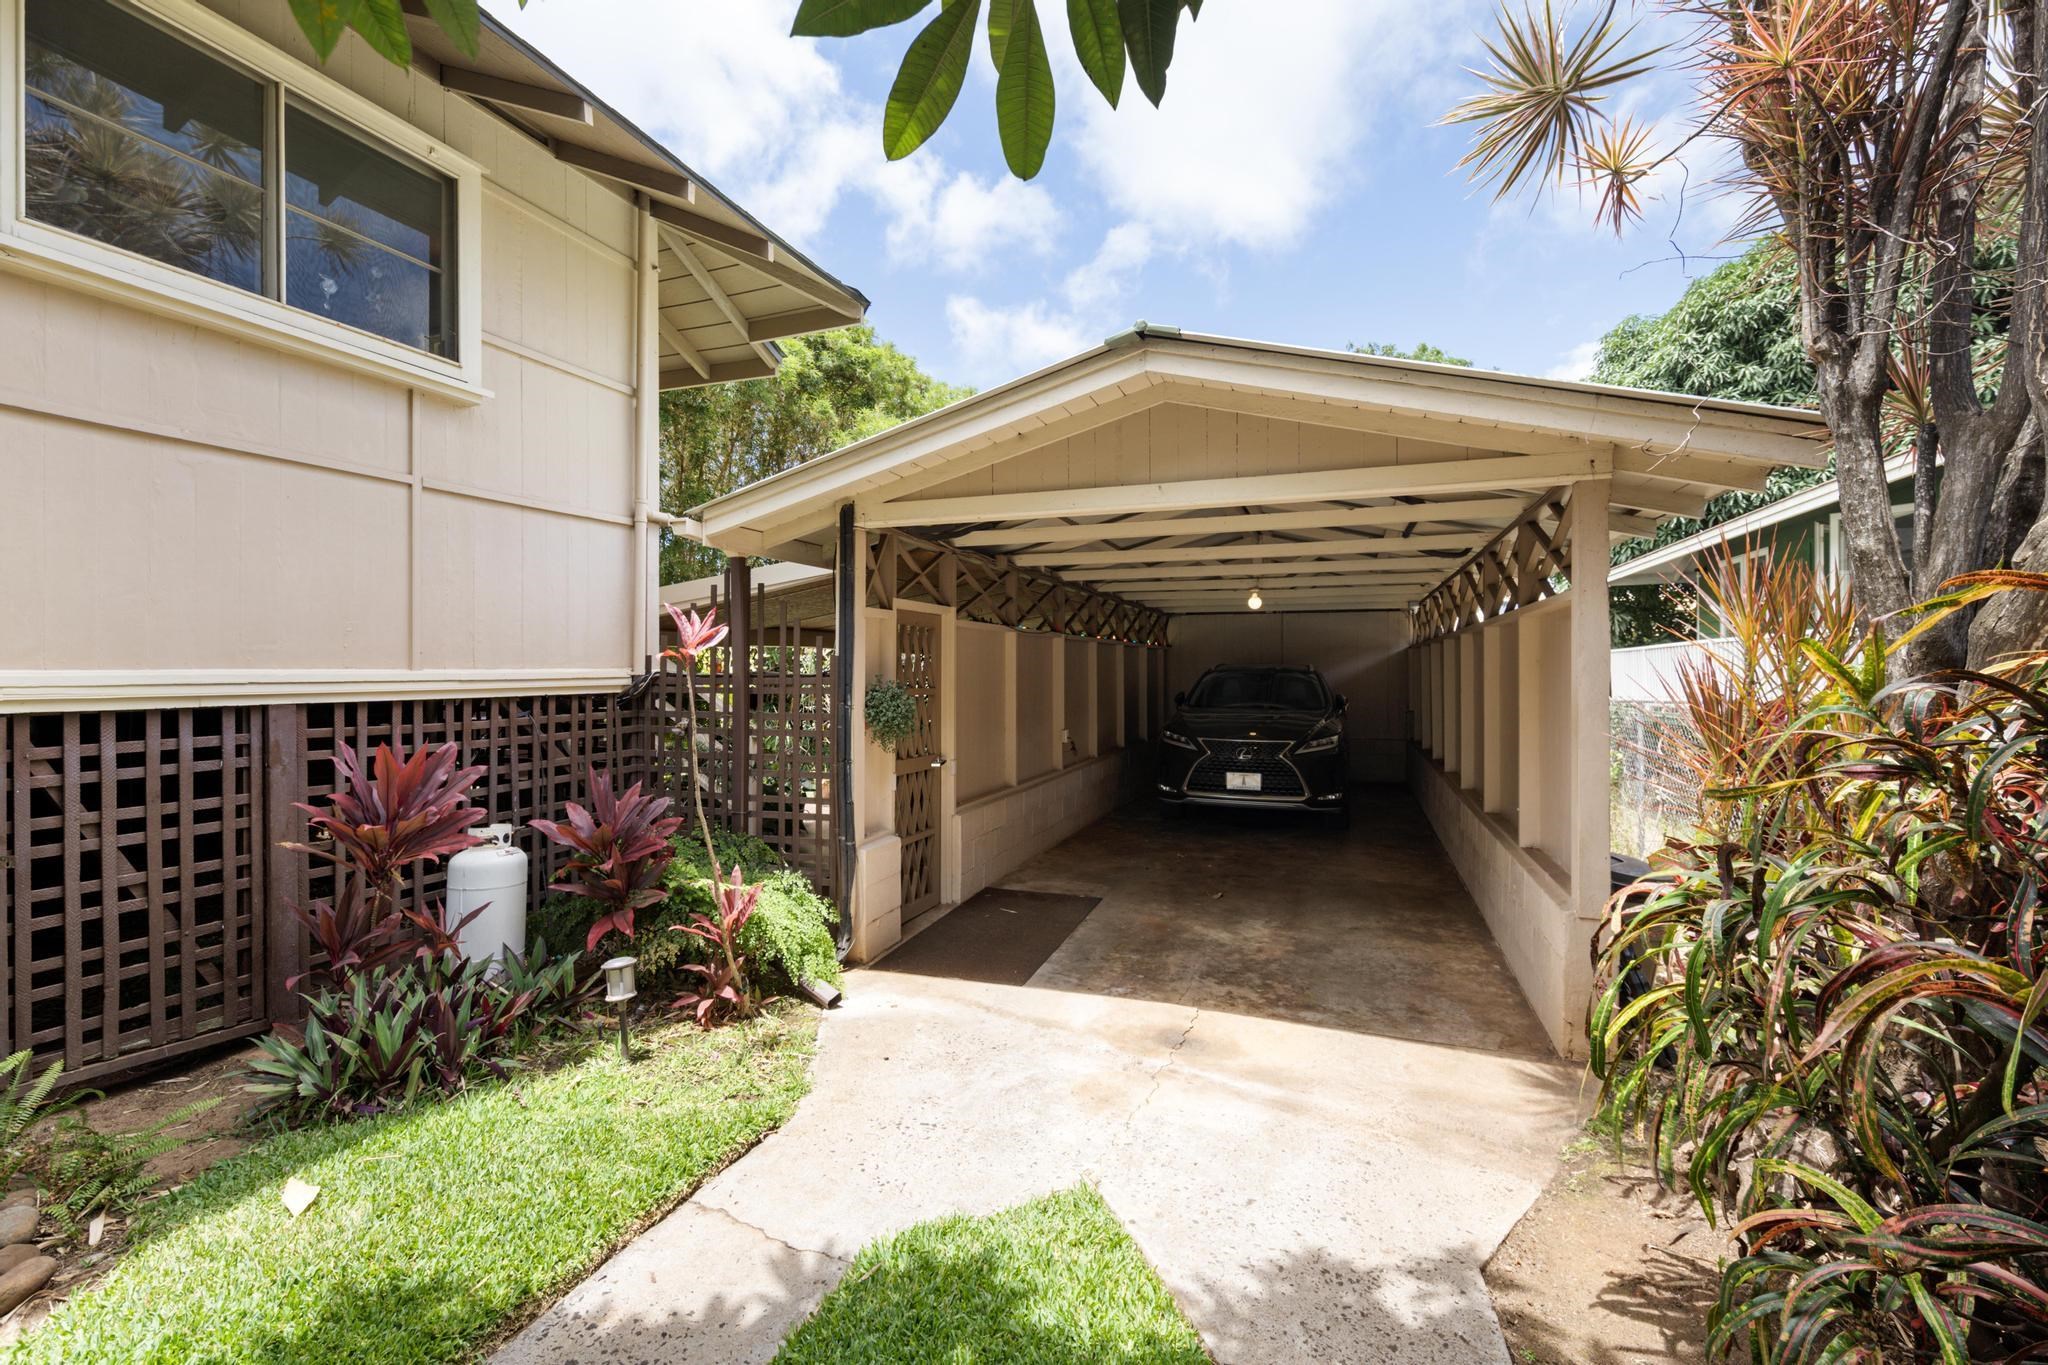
x=284 y=872
x=739 y=593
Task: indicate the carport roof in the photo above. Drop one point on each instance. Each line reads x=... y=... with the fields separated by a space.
x=1170 y=468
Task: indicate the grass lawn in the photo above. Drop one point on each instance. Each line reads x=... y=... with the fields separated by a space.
x=1054 y=1281
x=434 y=1225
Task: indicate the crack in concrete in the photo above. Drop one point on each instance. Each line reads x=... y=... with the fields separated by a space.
x=766 y=1235
x=1159 y=1076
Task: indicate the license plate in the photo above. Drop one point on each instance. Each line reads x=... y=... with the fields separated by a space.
x=1243 y=782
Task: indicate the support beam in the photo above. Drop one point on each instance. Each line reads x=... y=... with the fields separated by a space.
x=1496 y=510
x=516 y=94
x=1269 y=549
x=1362 y=570
x=672 y=183
x=698 y=227
x=1590 y=676
x=1377 y=481
x=702 y=276
x=753 y=367
x=680 y=344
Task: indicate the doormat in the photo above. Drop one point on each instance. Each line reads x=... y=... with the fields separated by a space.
x=999 y=936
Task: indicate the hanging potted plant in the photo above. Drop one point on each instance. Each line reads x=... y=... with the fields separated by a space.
x=891 y=712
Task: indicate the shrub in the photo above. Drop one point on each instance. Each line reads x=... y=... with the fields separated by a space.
x=24 y=1102
x=787 y=940
x=1840 y=1042
x=431 y=1025
x=376 y=827
x=619 y=848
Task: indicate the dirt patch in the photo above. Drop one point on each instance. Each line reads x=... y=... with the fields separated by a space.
x=1606 y=1269
x=209 y=1138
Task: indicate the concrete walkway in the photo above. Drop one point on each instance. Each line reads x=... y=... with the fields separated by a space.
x=1290 y=1058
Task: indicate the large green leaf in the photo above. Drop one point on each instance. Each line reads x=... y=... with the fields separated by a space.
x=1001 y=19
x=1099 y=43
x=929 y=81
x=382 y=24
x=844 y=18
x=1149 y=27
x=324 y=21
x=1024 y=93
x=458 y=19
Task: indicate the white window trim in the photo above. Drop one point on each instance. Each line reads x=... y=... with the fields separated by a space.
x=1837 y=567
x=44 y=252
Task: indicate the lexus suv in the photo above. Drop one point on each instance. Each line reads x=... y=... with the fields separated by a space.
x=1255 y=737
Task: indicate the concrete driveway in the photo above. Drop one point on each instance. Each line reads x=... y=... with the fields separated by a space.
x=1290 y=1058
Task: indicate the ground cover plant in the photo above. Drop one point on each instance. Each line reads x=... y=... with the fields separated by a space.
x=788 y=938
x=1046 y=1283
x=1827 y=1014
x=435 y=1223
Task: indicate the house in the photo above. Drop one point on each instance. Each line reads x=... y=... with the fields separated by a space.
x=1807 y=525
x=328 y=412
x=1045 y=564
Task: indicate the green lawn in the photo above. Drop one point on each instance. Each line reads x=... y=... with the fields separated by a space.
x=434 y=1225
x=1053 y=1281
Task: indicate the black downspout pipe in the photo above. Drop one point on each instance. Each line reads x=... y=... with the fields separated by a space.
x=845 y=665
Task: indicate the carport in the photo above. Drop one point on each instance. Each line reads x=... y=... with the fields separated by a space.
x=1044 y=564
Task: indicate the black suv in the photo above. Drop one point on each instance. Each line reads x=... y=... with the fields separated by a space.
x=1255 y=737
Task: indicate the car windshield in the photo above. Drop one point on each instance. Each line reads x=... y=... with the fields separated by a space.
x=1271 y=689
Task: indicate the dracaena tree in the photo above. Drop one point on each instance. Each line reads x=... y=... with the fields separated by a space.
x=1887 y=143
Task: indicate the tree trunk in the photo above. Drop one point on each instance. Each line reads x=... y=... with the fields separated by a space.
x=2014 y=622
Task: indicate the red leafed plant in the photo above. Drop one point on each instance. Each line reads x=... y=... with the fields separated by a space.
x=404 y=811
x=725 y=991
x=621 y=847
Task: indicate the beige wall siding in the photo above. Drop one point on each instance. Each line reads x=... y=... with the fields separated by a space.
x=1362 y=654
x=1039 y=684
x=1205 y=443
x=207 y=502
x=983 y=726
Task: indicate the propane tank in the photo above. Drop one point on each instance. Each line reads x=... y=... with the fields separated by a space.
x=491 y=875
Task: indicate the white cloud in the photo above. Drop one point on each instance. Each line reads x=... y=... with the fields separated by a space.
x=1265 y=117
x=1577 y=363
x=997 y=342
x=768 y=117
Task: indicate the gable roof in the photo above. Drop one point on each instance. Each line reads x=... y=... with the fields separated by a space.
x=730 y=286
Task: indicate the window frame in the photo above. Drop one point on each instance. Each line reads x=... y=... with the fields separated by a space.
x=48 y=252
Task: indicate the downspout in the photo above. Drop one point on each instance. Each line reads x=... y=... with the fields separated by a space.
x=845 y=665
x=646 y=435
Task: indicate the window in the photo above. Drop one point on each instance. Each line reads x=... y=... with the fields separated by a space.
x=135 y=138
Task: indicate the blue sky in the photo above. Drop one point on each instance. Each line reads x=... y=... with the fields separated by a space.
x=1292 y=188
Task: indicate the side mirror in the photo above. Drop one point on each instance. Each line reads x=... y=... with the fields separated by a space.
x=1341 y=703
x=1180 y=699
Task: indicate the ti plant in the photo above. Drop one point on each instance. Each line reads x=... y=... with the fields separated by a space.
x=405 y=811
x=619 y=849
x=724 y=987
x=1839 y=1047
x=726 y=991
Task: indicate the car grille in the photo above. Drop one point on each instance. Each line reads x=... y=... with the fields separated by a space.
x=1265 y=757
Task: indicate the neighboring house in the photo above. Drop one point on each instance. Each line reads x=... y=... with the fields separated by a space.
x=1807 y=525
x=328 y=410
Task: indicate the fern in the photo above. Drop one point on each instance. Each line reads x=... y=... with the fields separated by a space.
x=25 y=1102
x=87 y=1172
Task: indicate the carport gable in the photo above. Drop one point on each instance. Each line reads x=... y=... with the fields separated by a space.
x=1175 y=470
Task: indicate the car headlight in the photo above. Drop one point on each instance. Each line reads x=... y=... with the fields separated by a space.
x=1319 y=742
x=1178 y=740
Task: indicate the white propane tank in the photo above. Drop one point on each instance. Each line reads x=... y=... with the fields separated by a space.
x=492 y=875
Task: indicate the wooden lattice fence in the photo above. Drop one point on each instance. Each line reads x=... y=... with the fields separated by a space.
x=143 y=895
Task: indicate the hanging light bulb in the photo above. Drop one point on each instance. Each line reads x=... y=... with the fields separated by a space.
x=1255 y=601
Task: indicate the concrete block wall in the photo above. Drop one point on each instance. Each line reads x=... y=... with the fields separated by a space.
x=1002 y=832
x=1525 y=901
